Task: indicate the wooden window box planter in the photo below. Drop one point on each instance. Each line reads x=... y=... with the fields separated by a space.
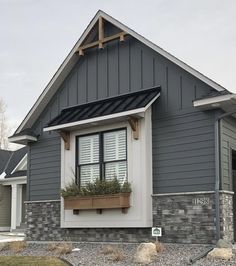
x=113 y=201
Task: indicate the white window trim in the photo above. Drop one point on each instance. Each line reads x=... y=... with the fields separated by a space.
x=139 y=158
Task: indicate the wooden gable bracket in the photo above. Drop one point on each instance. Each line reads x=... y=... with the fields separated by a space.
x=100 y=32
x=134 y=123
x=101 y=38
x=65 y=135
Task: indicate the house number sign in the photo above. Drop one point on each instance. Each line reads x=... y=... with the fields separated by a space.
x=201 y=201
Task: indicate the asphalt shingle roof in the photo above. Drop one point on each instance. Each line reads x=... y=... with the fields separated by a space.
x=4 y=157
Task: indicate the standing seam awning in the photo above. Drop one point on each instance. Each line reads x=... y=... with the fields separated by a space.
x=122 y=105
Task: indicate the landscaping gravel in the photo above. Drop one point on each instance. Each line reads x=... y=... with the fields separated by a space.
x=91 y=254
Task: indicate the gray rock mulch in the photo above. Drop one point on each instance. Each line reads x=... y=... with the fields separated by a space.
x=91 y=254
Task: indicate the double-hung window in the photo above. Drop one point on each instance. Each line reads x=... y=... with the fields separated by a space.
x=102 y=155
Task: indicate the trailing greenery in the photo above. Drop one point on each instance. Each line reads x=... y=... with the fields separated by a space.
x=99 y=187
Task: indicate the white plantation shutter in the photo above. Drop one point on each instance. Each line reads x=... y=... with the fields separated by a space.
x=89 y=173
x=114 y=150
x=89 y=149
x=89 y=154
x=116 y=169
x=115 y=145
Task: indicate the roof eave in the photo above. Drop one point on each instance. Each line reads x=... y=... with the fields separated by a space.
x=23 y=139
x=225 y=102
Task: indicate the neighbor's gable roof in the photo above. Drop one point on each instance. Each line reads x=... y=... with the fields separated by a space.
x=72 y=58
x=14 y=160
x=4 y=157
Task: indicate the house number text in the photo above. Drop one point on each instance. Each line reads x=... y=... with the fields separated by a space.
x=201 y=201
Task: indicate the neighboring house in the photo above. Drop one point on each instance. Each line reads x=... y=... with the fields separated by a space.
x=13 y=189
x=120 y=103
x=5 y=194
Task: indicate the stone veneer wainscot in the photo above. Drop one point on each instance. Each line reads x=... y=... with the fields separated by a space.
x=185 y=221
x=182 y=220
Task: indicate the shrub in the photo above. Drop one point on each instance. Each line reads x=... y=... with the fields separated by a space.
x=17 y=246
x=98 y=187
x=52 y=246
x=60 y=248
x=114 y=253
x=159 y=247
x=117 y=255
x=108 y=250
x=4 y=246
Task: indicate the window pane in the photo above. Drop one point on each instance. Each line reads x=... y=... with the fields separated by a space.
x=89 y=149
x=116 y=169
x=89 y=173
x=115 y=145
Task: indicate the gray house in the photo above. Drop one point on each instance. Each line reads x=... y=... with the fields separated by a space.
x=13 y=172
x=120 y=103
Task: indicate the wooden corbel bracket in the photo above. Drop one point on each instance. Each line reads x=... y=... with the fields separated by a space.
x=65 y=135
x=134 y=123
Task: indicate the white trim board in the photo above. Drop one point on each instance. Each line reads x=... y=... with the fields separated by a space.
x=23 y=137
x=214 y=100
x=13 y=180
x=71 y=59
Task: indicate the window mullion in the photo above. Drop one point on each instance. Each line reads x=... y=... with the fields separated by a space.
x=101 y=155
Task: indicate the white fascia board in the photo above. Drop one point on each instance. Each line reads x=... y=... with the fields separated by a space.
x=152 y=101
x=138 y=111
x=213 y=100
x=13 y=180
x=20 y=163
x=3 y=174
x=23 y=137
x=71 y=59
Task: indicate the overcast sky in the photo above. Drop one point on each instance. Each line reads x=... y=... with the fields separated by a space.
x=37 y=35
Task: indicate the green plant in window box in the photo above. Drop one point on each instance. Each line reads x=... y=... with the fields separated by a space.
x=100 y=194
x=99 y=187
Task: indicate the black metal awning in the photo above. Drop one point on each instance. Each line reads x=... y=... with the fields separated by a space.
x=126 y=104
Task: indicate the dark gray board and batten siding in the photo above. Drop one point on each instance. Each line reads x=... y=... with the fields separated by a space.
x=182 y=136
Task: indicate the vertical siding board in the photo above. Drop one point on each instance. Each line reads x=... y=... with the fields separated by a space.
x=124 y=67
x=102 y=73
x=135 y=66
x=54 y=107
x=92 y=75
x=82 y=83
x=113 y=69
x=188 y=94
x=72 y=89
x=147 y=69
x=174 y=92
x=63 y=97
x=160 y=78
